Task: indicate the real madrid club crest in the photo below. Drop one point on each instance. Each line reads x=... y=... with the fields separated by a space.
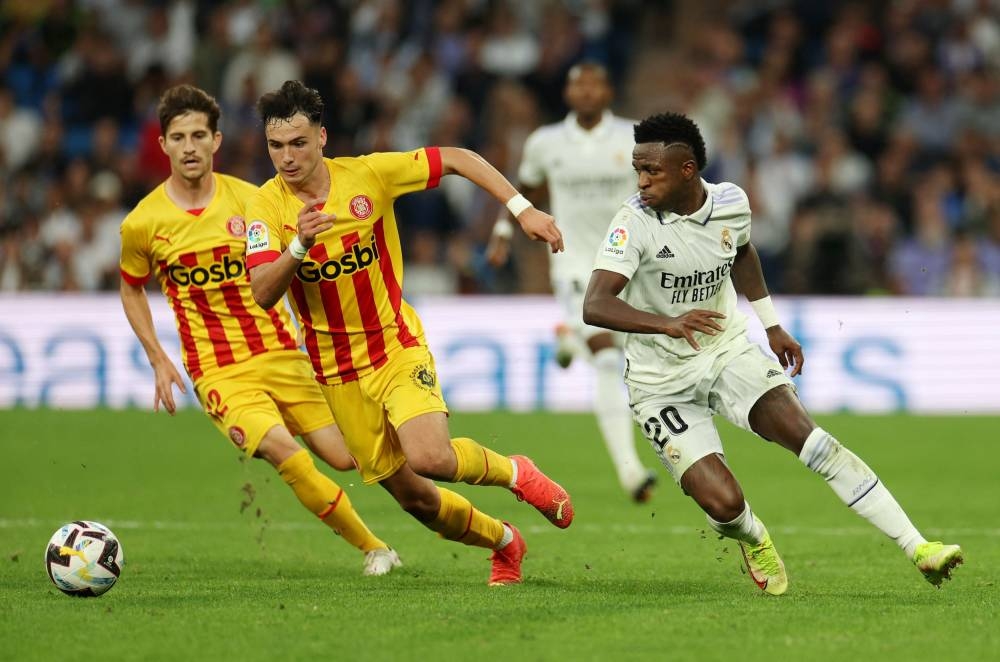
x=423 y=376
x=727 y=240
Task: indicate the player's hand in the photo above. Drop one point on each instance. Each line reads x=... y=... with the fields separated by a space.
x=541 y=227
x=166 y=377
x=312 y=222
x=787 y=349
x=698 y=320
x=498 y=251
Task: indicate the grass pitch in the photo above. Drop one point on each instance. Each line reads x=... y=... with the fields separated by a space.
x=222 y=562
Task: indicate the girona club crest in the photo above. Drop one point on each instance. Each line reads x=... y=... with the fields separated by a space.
x=238 y=436
x=361 y=207
x=236 y=226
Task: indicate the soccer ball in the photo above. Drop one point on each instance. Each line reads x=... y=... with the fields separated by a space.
x=84 y=559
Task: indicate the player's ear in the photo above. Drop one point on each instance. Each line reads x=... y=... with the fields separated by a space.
x=163 y=144
x=216 y=141
x=322 y=138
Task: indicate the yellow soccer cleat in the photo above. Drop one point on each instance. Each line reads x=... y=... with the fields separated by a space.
x=936 y=560
x=765 y=566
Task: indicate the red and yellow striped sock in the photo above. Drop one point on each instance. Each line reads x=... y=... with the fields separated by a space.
x=325 y=499
x=459 y=520
x=478 y=465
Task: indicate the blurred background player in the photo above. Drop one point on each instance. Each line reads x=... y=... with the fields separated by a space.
x=247 y=371
x=324 y=230
x=585 y=163
x=689 y=356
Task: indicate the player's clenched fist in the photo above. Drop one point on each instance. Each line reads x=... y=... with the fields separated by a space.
x=312 y=222
x=541 y=227
x=699 y=320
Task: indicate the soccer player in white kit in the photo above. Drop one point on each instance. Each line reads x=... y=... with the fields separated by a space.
x=678 y=251
x=586 y=161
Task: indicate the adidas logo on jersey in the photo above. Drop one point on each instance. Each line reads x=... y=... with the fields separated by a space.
x=665 y=252
x=773 y=373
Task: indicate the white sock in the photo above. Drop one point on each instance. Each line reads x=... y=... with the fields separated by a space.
x=858 y=486
x=615 y=419
x=745 y=528
x=513 y=473
x=508 y=537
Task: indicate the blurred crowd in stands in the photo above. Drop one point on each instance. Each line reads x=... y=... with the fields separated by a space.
x=867 y=134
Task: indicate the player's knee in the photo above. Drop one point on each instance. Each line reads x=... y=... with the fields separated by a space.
x=439 y=464
x=277 y=446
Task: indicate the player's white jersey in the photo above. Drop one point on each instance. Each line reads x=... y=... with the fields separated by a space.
x=675 y=264
x=589 y=173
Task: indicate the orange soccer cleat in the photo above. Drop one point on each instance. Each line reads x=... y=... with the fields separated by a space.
x=542 y=492
x=507 y=561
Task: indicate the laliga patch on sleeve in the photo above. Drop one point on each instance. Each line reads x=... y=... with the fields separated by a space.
x=257 y=238
x=616 y=243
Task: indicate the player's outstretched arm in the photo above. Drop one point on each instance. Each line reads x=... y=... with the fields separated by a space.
x=748 y=279
x=535 y=223
x=136 y=307
x=270 y=281
x=602 y=307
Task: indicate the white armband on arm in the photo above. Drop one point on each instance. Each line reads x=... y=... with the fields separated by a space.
x=296 y=248
x=517 y=204
x=765 y=312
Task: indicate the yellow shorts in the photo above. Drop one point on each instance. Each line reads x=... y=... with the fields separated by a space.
x=246 y=400
x=370 y=409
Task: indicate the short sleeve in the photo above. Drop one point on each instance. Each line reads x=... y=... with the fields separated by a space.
x=406 y=172
x=742 y=220
x=531 y=172
x=134 y=261
x=263 y=231
x=621 y=248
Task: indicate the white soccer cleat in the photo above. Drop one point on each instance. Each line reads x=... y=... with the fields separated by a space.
x=380 y=562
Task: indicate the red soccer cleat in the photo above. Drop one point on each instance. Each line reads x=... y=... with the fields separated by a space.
x=542 y=492
x=507 y=561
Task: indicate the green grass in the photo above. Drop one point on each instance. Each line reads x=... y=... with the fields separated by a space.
x=208 y=578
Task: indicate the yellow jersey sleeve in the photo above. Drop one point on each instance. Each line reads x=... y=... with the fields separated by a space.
x=264 y=227
x=134 y=262
x=406 y=172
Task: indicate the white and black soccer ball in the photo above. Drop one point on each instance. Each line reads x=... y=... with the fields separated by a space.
x=84 y=559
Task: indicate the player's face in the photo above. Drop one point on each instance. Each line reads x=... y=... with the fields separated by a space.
x=296 y=148
x=588 y=92
x=189 y=143
x=664 y=174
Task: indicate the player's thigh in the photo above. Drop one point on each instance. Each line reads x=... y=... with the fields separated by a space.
x=328 y=443
x=369 y=437
x=680 y=432
x=239 y=409
x=743 y=381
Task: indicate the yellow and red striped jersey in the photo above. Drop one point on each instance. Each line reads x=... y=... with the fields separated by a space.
x=348 y=290
x=197 y=256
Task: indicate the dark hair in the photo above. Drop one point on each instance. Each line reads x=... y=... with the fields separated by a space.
x=183 y=99
x=670 y=128
x=293 y=98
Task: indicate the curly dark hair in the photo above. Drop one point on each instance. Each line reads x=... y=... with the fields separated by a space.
x=183 y=99
x=670 y=128
x=293 y=98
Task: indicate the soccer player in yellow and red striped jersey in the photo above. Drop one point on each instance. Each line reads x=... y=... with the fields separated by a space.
x=324 y=229
x=247 y=370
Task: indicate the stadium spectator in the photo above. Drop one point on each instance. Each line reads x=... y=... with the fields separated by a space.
x=911 y=87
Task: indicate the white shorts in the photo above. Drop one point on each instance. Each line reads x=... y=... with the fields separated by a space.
x=679 y=426
x=570 y=294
